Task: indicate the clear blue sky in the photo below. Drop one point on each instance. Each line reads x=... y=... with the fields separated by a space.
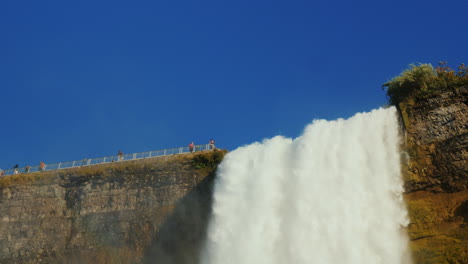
x=83 y=79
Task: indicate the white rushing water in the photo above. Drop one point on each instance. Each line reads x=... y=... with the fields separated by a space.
x=333 y=195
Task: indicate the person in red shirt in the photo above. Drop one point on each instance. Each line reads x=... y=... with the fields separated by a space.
x=191 y=147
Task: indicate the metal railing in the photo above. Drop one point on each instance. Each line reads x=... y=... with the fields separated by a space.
x=109 y=159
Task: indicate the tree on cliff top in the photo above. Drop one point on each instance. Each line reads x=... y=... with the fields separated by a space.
x=423 y=80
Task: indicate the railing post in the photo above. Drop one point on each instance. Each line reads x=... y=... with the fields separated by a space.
x=73 y=165
x=59 y=165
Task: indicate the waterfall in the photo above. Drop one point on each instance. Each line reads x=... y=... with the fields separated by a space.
x=332 y=195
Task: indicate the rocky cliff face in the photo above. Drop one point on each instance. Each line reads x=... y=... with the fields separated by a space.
x=158 y=209
x=127 y=212
x=436 y=175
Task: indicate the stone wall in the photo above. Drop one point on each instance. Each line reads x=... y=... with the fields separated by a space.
x=126 y=212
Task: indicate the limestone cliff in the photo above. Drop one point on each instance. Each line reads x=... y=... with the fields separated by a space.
x=158 y=209
x=436 y=175
x=126 y=212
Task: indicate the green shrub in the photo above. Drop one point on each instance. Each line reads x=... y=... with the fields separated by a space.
x=416 y=77
x=424 y=80
x=208 y=160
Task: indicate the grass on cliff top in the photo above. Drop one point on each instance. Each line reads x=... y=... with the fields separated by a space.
x=207 y=160
x=26 y=178
x=423 y=80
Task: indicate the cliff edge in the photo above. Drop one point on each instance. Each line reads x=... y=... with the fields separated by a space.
x=125 y=212
x=432 y=103
x=436 y=175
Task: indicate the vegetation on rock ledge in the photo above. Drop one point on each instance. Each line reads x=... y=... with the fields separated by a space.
x=208 y=160
x=420 y=81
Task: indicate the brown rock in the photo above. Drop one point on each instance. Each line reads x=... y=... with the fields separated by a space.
x=436 y=175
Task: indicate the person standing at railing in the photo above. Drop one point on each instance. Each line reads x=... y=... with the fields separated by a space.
x=16 y=169
x=212 y=144
x=27 y=168
x=1 y=172
x=191 y=146
x=120 y=155
x=41 y=166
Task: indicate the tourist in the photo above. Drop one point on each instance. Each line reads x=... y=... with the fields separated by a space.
x=212 y=144
x=41 y=166
x=191 y=146
x=27 y=168
x=120 y=155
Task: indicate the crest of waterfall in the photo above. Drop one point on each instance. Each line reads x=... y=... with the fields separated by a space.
x=332 y=195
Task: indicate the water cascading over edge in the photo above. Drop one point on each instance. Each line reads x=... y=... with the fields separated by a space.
x=333 y=195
